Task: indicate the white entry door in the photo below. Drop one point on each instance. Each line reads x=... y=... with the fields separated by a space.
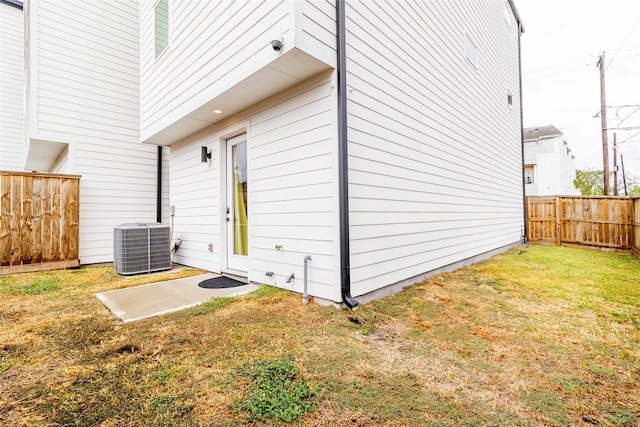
x=237 y=204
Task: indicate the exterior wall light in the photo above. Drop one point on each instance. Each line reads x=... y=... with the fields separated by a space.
x=205 y=154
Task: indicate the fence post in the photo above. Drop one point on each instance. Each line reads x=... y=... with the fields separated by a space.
x=558 y=219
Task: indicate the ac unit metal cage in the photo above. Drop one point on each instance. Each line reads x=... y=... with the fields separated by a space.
x=141 y=248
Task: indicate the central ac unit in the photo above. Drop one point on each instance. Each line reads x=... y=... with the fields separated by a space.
x=141 y=248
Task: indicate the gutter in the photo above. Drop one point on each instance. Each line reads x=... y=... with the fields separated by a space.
x=14 y=3
x=517 y=16
x=159 y=187
x=343 y=154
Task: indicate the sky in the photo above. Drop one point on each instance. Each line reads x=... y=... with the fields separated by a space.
x=561 y=81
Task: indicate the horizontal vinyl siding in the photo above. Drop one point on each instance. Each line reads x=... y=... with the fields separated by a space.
x=11 y=88
x=434 y=149
x=317 y=27
x=88 y=69
x=195 y=189
x=88 y=95
x=166 y=179
x=213 y=46
x=292 y=200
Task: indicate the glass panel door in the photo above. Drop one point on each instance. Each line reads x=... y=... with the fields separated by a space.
x=237 y=203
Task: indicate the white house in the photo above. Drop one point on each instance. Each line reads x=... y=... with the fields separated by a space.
x=380 y=139
x=11 y=85
x=549 y=163
x=82 y=115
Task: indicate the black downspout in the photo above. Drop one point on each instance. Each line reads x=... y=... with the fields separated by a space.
x=159 y=187
x=343 y=180
x=524 y=197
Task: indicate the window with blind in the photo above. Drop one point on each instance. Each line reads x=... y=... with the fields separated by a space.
x=161 y=13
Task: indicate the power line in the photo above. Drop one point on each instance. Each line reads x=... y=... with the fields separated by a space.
x=628 y=139
x=528 y=76
x=581 y=60
x=625 y=39
x=622 y=120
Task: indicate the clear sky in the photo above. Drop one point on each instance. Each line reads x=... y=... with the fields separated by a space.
x=561 y=84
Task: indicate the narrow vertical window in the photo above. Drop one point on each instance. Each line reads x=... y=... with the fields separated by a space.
x=161 y=13
x=472 y=52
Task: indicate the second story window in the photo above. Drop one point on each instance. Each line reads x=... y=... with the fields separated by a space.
x=161 y=15
x=546 y=146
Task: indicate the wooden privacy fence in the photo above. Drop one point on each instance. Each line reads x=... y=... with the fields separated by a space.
x=636 y=226
x=598 y=222
x=39 y=216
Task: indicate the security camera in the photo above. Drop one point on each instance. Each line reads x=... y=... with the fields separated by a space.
x=276 y=45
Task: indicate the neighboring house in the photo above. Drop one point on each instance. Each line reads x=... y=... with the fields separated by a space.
x=411 y=165
x=11 y=85
x=549 y=163
x=82 y=115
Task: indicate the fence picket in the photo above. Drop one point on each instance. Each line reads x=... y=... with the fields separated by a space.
x=39 y=221
x=607 y=223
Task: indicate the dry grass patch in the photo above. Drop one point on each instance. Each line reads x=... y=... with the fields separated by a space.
x=536 y=336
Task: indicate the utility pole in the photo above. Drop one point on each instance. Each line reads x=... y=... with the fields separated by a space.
x=624 y=177
x=603 y=116
x=615 y=164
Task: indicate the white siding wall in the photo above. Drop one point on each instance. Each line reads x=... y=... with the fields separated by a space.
x=530 y=153
x=85 y=69
x=292 y=197
x=166 y=179
x=316 y=29
x=11 y=88
x=548 y=168
x=568 y=171
x=195 y=193
x=213 y=45
x=435 y=155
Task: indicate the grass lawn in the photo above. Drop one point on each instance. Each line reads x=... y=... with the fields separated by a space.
x=536 y=336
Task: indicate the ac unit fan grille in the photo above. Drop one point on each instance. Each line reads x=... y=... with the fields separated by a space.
x=141 y=248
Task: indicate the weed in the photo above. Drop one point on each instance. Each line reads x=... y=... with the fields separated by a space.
x=620 y=317
x=618 y=419
x=4 y=367
x=365 y=331
x=39 y=285
x=163 y=400
x=220 y=302
x=548 y=404
x=267 y=291
x=276 y=392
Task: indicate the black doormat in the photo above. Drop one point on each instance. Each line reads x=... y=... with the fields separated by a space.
x=220 y=283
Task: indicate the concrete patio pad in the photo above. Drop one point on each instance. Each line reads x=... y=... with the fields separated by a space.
x=154 y=299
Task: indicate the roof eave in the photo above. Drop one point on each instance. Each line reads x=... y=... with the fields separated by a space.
x=514 y=9
x=14 y=3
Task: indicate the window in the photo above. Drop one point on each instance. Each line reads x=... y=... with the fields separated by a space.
x=546 y=146
x=528 y=174
x=161 y=14
x=509 y=99
x=472 y=52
